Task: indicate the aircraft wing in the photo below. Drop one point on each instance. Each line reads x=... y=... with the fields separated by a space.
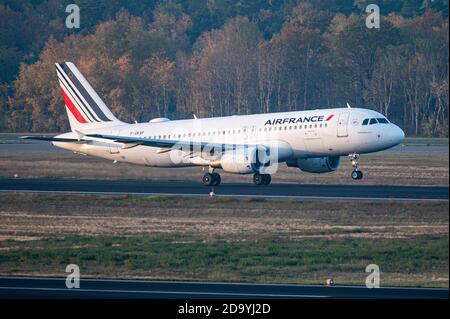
x=135 y=141
x=54 y=139
x=130 y=142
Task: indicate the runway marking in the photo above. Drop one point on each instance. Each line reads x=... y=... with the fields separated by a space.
x=234 y=195
x=167 y=292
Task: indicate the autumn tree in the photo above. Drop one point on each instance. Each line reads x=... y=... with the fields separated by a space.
x=216 y=58
x=225 y=69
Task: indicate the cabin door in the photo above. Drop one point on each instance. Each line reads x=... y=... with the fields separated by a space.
x=342 y=124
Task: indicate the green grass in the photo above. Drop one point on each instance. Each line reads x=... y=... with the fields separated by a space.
x=175 y=238
x=426 y=141
x=268 y=260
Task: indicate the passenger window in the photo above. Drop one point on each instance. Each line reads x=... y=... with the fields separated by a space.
x=365 y=122
x=373 y=121
x=383 y=121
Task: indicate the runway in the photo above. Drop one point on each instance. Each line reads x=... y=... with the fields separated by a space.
x=40 y=287
x=14 y=144
x=185 y=188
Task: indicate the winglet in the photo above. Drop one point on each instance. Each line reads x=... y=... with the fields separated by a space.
x=348 y=106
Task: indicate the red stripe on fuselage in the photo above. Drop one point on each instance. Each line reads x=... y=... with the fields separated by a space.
x=329 y=117
x=73 y=108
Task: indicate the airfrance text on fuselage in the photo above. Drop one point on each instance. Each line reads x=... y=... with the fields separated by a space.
x=293 y=120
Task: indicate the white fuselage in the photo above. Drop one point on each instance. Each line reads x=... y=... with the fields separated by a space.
x=302 y=134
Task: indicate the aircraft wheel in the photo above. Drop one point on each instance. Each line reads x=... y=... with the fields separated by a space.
x=208 y=179
x=356 y=175
x=360 y=174
x=216 y=179
x=258 y=179
x=267 y=178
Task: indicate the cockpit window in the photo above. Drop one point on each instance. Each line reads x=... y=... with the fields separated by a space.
x=380 y=120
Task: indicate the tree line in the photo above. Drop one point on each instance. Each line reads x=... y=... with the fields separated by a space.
x=168 y=62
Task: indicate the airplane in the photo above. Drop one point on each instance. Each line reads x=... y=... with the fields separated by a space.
x=313 y=141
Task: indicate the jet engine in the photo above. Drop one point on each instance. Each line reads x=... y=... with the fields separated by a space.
x=243 y=160
x=316 y=164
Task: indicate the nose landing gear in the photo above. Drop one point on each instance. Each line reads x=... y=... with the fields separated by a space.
x=356 y=174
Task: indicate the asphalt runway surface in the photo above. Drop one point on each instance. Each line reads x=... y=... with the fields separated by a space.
x=16 y=145
x=186 y=188
x=41 y=287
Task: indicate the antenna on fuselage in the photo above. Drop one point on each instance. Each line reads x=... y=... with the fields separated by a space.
x=348 y=106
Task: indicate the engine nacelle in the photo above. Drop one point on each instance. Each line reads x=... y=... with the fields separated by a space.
x=316 y=164
x=242 y=160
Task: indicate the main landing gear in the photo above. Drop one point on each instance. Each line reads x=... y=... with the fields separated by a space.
x=356 y=174
x=262 y=179
x=211 y=179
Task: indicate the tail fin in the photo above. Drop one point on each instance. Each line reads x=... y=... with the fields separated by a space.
x=84 y=107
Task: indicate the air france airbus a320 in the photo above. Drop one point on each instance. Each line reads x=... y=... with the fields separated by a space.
x=312 y=141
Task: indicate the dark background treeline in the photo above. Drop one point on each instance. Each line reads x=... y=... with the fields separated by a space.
x=221 y=57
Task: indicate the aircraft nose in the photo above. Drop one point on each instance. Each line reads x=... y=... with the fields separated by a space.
x=397 y=134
